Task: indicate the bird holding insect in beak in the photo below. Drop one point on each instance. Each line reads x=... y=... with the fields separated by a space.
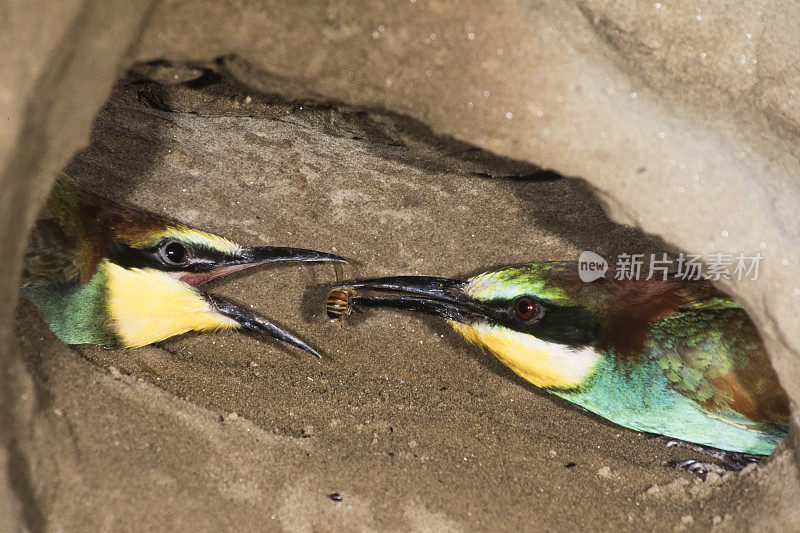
x=672 y=357
x=103 y=272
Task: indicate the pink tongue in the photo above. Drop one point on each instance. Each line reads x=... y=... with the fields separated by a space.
x=198 y=278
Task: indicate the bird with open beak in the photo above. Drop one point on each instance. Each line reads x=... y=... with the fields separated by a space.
x=103 y=272
x=672 y=357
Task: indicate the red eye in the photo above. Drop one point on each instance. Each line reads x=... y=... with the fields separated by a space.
x=526 y=308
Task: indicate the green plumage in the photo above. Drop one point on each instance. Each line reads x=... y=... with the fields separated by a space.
x=675 y=389
x=680 y=359
x=695 y=347
x=77 y=315
x=700 y=373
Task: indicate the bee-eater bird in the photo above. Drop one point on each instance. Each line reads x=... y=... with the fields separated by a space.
x=672 y=357
x=107 y=273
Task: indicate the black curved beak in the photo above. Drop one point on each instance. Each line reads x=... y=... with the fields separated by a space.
x=441 y=297
x=252 y=322
x=280 y=254
x=258 y=255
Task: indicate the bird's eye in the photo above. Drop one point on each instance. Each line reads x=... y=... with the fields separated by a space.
x=525 y=308
x=174 y=253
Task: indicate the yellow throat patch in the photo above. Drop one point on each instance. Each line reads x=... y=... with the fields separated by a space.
x=545 y=364
x=148 y=305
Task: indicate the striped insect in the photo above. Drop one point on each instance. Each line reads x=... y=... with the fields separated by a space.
x=339 y=304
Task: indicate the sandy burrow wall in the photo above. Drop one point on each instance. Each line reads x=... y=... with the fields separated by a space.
x=684 y=119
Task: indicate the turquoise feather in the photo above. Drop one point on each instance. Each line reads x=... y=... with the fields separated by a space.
x=640 y=397
x=77 y=314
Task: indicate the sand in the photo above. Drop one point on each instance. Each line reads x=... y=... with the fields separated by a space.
x=411 y=427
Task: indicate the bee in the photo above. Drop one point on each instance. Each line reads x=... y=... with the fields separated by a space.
x=338 y=304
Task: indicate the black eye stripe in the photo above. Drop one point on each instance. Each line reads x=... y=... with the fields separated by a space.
x=198 y=259
x=572 y=326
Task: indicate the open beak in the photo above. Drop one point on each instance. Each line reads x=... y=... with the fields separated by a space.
x=252 y=256
x=434 y=296
x=258 y=255
x=252 y=322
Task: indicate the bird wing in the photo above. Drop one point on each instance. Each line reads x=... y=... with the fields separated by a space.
x=53 y=255
x=711 y=352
